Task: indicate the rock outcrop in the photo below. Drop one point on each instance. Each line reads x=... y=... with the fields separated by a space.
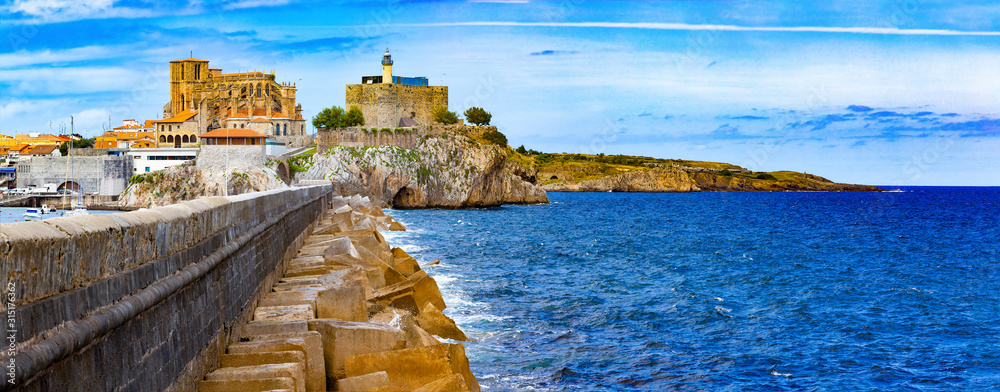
x=450 y=170
x=187 y=182
x=654 y=180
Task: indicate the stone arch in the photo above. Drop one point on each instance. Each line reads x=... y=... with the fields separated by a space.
x=184 y=138
x=170 y=138
x=282 y=170
x=194 y=139
x=70 y=186
x=407 y=197
x=163 y=139
x=553 y=178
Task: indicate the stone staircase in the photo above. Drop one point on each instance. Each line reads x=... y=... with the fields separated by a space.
x=350 y=314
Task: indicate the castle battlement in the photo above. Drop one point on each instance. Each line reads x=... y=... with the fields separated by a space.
x=390 y=101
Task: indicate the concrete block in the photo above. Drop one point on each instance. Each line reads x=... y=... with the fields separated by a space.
x=341 y=247
x=432 y=320
x=412 y=368
x=407 y=266
x=271 y=328
x=354 y=276
x=415 y=336
x=365 y=382
x=452 y=383
x=376 y=277
x=420 y=286
x=270 y=384
x=342 y=339
x=396 y=226
x=310 y=343
x=284 y=313
x=303 y=296
x=263 y=358
x=294 y=371
x=344 y=303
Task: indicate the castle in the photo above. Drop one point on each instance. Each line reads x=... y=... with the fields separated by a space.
x=203 y=99
x=389 y=101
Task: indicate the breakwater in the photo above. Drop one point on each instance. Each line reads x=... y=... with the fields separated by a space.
x=163 y=299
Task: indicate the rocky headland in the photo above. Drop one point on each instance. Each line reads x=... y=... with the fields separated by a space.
x=593 y=173
x=450 y=170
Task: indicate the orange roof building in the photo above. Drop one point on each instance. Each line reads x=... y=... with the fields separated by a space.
x=233 y=137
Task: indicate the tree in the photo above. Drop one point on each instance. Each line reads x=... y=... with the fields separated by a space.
x=334 y=117
x=521 y=150
x=64 y=148
x=495 y=137
x=478 y=116
x=442 y=115
x=354 y=117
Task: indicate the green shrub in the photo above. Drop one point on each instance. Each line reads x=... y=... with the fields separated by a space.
x=495 y=137
x=441 y=114
x=726 y=173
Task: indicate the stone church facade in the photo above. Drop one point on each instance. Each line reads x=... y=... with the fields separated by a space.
x=248 y=100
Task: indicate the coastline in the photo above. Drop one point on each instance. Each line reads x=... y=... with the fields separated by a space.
x=366 y=310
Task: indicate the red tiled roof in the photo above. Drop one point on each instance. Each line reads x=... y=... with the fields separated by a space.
x=232 y=133
x=182 y=117
x=259 y=112
x=260 y=120
x=43 y=149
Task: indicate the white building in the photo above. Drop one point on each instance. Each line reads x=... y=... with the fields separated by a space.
x=147 y=160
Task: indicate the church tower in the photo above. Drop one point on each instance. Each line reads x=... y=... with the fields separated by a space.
x=387 y=67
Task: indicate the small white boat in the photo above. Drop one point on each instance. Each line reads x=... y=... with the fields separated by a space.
x=78 y=210
x=32 y=214
x=47 y=209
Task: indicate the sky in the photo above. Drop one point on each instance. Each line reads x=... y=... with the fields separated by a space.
x=883 y=92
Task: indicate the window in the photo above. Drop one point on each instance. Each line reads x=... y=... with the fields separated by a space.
x=286 y=129
x=185 y=139
x=194 y=139
x=147 y=169
x=303 y=130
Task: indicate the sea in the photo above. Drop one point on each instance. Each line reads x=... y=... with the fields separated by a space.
x=724 y=291
x=16 y=214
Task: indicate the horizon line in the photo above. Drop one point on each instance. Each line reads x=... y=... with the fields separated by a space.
x=719 y=27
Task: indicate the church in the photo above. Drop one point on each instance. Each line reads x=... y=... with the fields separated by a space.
x=203 y=99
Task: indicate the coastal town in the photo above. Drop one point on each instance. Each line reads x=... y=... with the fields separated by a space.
x=209 y=115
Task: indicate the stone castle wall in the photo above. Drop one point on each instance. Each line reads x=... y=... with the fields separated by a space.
x=384 y=104
x=106 y=175
x=355 y=137
x=150 y=297
x=230 y=158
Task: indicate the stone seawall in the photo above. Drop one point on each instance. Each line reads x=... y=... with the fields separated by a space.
x=145 y=300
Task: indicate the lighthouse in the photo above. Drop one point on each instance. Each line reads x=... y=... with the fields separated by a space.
x=387 y=67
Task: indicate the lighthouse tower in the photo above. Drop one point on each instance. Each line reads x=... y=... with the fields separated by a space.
x=387 y=67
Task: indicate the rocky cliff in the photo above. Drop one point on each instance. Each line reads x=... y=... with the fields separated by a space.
x=450 y=170
x=187 y=182
x=654 y=180
x=593 y=173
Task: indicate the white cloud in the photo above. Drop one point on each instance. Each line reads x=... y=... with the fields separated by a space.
x=714 y=27
x=254 y=3
x=24 y=57
x=72 y=80
x=55 y=11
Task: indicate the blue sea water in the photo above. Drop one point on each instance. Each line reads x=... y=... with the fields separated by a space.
x=16 y=214
x=724 y=291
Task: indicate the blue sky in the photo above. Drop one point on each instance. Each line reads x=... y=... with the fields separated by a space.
x=891 y=92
